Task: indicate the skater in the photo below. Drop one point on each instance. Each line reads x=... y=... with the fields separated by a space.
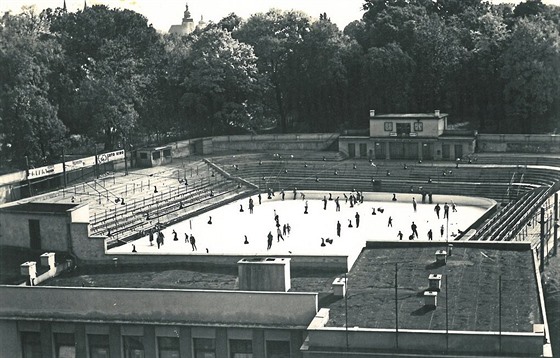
x=400 y=235
x=260 y=198
x=323 y=242
x=193 y=243
x=414 y=204
x=338 y=226
x=337 y=204
x=306 y=206
x=175 y=238
x=350 y=223
x=186 y=238
x=394 y=197
x=279 y=233
x=437 y=209
x=240 y=208
x=284 y=229
x=430 y=235
x=446 y=211
x=151 y=237
x=430 y=197
x=269 y=236
x=330 y=197
x=441 y=231
x=283 y=194
x=288 y=228
x=325 y=202
x=160 y=239
x=246 y=242
x=411 y=237
x=453 y=207
x=345 y=198
x=210 y=221
x=357 y=216
x=302 y=195
x=414 y=229
x=251 y=205
x=373 y=211
x=390 y=222
x=295 y=193
x=134 y=248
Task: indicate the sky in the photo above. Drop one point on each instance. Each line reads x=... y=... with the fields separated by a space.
x=164 y=13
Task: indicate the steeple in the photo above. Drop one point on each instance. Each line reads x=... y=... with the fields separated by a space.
x=64 y=6
x=187 y=15
x=85 y=5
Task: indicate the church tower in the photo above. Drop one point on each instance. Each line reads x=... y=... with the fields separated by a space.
x=186 y=27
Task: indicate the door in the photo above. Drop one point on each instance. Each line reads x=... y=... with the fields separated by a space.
x=363 y=150
x=34 y=235
x=458 y=151
x=445 y=151
x=427 y=151
x=351 y=150
x=380 y=152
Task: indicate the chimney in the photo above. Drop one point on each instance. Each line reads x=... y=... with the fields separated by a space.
x=264 y=274
x=29 y=269
x=371 y=113
x=48 y=260
x=434 y=281
x=339 y=287
x=436 y=112
x=430 y=298
x=441 y=257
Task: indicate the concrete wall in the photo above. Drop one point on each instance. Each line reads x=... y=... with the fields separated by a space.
x=528 y=344
x=15 y=230
x=266 y=142
x=519 y=143
x=9 y=337
x=161 y=306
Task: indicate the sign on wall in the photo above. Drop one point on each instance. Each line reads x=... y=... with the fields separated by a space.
x=74 y=164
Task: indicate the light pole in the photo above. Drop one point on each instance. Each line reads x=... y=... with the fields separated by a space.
x=28 y=181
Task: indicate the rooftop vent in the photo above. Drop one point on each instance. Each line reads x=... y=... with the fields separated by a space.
x=264 y=274
x=371 y=113
x=339 y=287
x=436 y=112
x=434 y=281
x=441 y=257
x=48 y=260
x=430 y=298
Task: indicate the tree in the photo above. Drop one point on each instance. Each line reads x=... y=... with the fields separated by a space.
x=531 y=69
x=28 y=120
x=222 y=85
x=274 y=36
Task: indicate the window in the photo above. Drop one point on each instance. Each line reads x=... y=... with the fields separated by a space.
x=133 y=347
x=403 y=129
x=31 y=344
x=167 y=153
x=388 y=126
x=418 y=126
x=64 y=345
x=156 y=155
x=168 y=347
x=277 y=349
x=98 y=345
x=143 y=155
x=204 y=348
x=241 y=348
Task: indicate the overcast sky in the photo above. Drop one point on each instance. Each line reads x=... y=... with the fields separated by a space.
x=164 y=13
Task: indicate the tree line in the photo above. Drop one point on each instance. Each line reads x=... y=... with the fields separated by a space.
x=104 y=75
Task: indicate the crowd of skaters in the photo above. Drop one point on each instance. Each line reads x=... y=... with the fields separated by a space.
x=283 y=230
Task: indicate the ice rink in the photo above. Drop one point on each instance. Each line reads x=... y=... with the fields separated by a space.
x=226 y=234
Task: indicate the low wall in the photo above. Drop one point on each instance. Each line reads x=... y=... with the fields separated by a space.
x=490 y=343
x=137 y=305
x=519 y=143
x=266 y=142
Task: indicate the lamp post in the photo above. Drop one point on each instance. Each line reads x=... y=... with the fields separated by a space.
x=28 y=181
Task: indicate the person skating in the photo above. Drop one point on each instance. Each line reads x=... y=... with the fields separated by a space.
x=437 y=209
x=430 y=235
x=446 y=211
x=414 y=229
x=193 y=243
x=414 y=204
x=400 y=235
x=270 y=237
x=338 y=227
x=390 y=222
x=357 y=216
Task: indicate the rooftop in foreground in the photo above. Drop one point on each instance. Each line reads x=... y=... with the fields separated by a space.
x=471 y=298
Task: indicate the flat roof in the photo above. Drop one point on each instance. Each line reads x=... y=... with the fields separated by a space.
x=409 y=116
x=472 y=293
x=40 y=207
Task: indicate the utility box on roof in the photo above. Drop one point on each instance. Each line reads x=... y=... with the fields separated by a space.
x=264 y=274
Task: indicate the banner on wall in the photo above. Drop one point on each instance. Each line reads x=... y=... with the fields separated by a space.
x=109 y=157
x=44 y=171
x=74 y=164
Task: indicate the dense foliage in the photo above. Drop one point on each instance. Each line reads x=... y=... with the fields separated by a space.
x=106 y=76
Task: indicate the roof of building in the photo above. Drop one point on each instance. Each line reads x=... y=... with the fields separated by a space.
x=410 y=116
x=471 y=275
x=40 y=207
